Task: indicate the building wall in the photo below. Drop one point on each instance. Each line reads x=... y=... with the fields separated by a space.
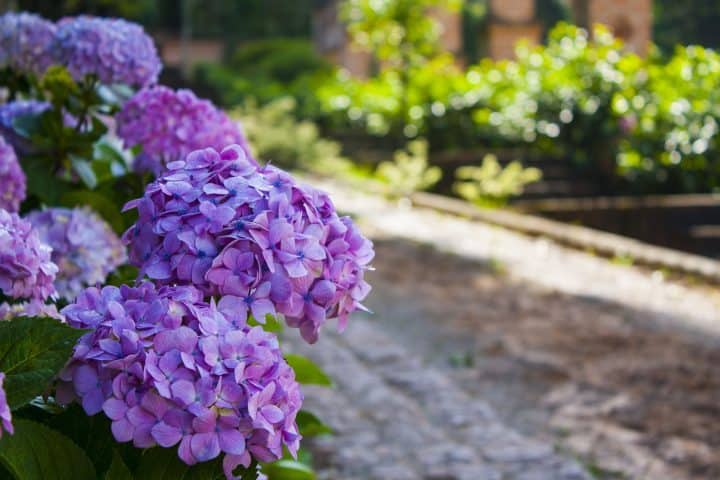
x=510 y=22
x=630 y=20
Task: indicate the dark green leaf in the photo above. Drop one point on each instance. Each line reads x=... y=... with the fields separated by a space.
x=307 y=372
x=288 y=470
x=118 y=470
x=32 y=351
x=26 y=125
x=164 y=464
x=100 y=203
x=35 y=452
x=310 y=425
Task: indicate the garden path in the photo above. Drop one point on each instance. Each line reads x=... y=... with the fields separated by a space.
x=492 y=355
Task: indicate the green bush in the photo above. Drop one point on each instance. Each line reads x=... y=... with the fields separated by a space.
x=409 y=171
x=491 y=184
x=276 y=136
x=650 y=123
x=266 y=70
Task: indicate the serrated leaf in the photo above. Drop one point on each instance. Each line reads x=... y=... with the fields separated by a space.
x=36 y=452
x=306 y=371
x=288 y=470
x=310 y=425
x=32 y=351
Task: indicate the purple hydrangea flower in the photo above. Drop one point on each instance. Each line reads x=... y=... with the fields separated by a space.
x=26 y=270
x=33 y=308
x=113 y=50
x=26 y=42
x=12 y=178
x=169 y=369
x=170 y=124
x=85 y=248
x=254 y=236
x=5 y=414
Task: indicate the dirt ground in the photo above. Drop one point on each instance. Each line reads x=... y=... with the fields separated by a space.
x=601 y=381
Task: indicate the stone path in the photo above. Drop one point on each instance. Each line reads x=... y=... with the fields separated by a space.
x=546 y=339
x=396 y=418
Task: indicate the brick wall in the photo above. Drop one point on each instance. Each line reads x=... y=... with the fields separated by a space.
x=630 y=20
x=513 y=11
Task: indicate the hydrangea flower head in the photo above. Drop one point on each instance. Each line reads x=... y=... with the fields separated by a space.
x=169 y=124
x=113 y=50
x=254 y=236
x=26 y=42
x=5 y=414
x=169 y=369
x=26 y=270
x=85 y=248
x=12 y=178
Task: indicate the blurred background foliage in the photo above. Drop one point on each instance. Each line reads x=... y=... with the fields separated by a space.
x=635 y=124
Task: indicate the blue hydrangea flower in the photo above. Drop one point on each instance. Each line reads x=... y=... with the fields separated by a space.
x=113 y=50
x=26 y=42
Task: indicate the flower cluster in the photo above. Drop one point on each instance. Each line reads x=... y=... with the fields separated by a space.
x=12 y=178
x=5 y=414
x=111 y=49
x=26 y=270
x=169 y=369
x=84 y=247
x=170 y=124
x=32 y=308
x=26 y=42
x=265 y=243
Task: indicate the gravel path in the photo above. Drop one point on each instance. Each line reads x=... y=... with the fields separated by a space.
x=492 y=355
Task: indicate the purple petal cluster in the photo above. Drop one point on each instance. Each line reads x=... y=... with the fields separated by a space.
x=5 y=414
x=15 y=109
x=170 y=124
x=26 y=42
x=254 y=236
x=26 y=270
x=169 y=369
x=111 y=49
x=85 y=248
x=12 y=178
x=33 y=308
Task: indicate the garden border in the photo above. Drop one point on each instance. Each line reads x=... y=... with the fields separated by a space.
x=603 y=243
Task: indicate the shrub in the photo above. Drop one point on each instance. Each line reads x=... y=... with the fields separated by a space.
x=409 y=171
x=277 y=136
x=492 y=185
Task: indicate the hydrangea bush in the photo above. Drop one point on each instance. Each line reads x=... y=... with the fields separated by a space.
x=156 y=352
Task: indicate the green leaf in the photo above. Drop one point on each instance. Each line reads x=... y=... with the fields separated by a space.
x=272 y=324
x=288 y=470
x=164 y=464
x=310 y=425
x=32 y=351
x=41 y=179
x=104 y=206
x=118 y=470
x=307 y=372
x=36 y=452
x=26 y=125
x=84 y=170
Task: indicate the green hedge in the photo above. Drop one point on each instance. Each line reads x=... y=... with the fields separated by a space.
x=652 y=121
